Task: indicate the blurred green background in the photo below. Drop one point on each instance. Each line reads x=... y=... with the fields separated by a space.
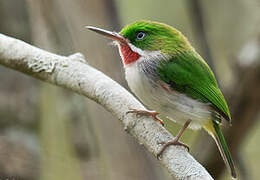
x=49 y=133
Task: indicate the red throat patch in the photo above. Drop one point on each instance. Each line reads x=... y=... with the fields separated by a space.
x=129 y=56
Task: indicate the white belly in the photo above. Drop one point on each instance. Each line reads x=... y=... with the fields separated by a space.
x=173 y=105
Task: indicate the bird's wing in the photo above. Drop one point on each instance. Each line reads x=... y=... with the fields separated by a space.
x=188 y=73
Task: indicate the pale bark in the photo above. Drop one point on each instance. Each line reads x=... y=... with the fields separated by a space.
x=73 y=73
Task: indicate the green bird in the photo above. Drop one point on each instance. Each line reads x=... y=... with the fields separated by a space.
x=166 y=73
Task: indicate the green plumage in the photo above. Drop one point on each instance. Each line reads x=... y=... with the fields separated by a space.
x=189 y=74
x=166 y=59
x=186 y=71
x=159 y=37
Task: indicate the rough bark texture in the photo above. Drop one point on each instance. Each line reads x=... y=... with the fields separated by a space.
x=58 y=26
x=72 y=73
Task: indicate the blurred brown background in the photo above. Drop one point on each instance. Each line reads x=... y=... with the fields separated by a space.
x=49 y=133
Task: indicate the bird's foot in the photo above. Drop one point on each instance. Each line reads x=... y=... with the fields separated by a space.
x=173 y=142
x=153 y=114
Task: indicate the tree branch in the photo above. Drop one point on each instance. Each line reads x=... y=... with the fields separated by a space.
x=72 y=73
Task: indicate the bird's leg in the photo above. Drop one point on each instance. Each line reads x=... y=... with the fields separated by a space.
x=153 y=114
x=175 y=141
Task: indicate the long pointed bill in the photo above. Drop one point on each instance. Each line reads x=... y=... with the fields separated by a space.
x=109 y=34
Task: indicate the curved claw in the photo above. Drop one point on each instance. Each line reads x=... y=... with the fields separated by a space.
x=173 y=142
x=153 y=114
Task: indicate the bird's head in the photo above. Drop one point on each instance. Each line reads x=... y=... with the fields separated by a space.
x=146 y=39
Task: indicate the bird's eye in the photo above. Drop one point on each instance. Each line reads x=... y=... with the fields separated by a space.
x=140 y=35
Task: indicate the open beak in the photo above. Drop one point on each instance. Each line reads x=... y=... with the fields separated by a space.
x=112 y=35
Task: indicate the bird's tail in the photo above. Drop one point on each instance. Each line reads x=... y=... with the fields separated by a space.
x=213 y=128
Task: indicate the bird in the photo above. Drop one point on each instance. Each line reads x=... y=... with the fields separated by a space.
x=172 y=80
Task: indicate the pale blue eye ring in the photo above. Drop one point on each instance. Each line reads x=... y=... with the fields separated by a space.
x=140 y=35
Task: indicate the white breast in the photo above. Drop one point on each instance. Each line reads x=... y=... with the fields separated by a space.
x=173 y=105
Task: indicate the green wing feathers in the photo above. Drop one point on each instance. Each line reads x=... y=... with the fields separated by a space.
x=189 y=74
